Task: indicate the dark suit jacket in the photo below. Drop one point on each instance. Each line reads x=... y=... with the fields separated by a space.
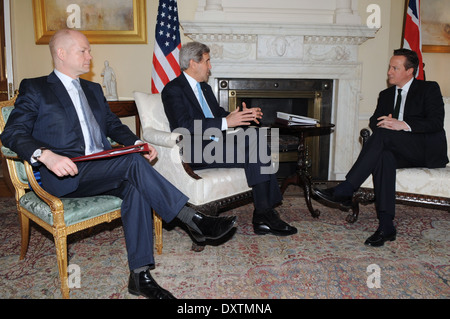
x=424 y=113
x=44 y=116
x=182 y=107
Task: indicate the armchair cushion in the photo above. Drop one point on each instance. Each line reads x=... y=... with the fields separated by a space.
x=75 y=209
x=424 y=181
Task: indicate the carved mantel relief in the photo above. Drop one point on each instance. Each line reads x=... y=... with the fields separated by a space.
x=295 y=39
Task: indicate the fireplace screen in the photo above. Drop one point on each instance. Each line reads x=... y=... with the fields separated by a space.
x=312 y=98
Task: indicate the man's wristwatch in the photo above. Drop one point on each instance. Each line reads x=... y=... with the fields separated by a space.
x=37 y=153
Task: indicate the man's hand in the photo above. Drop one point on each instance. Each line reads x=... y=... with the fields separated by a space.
x=152 y=154
x=60 y=165
x=391 y=123
x=244 y=117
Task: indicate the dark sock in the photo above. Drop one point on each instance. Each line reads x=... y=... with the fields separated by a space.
x=344 y=189
x=185 y=215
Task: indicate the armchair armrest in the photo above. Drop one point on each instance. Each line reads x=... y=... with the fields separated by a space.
x=161 y=138
x=54 y=202
x=168 y=140
x=365 y=134
x=8 y=153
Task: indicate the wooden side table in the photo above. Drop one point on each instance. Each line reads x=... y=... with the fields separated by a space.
x=302 y=177
x=126 y=108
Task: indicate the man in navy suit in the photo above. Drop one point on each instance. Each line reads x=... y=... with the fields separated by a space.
x=50 y=124
x=184 y=99
x=410 y=135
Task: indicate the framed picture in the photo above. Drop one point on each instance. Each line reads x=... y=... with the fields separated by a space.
x=435 y=21
x=102 y=21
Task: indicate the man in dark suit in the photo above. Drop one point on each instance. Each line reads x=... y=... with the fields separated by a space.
x=184 y=99
x=408 y=131
x=56 y=119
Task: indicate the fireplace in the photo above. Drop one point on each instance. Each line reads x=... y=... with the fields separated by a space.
x=307 y=97
x=281 y=43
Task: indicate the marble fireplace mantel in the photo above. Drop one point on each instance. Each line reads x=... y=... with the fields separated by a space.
x=293 y=50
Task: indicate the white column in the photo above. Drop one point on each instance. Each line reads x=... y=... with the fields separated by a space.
x=343 y=6
x=213 y=5
x=344 y=13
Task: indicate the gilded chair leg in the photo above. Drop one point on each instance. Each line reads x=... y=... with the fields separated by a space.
x=61 y=257
x=157 y=225
x=25 y=234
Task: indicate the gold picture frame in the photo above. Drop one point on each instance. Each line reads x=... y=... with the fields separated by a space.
x=102 y=21
x=435 y=26
x=436 y=48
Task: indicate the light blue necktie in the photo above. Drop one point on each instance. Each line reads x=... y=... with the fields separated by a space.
x=203 y=103
x=95 y=138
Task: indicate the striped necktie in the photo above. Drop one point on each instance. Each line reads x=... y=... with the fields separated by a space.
x=94 y=140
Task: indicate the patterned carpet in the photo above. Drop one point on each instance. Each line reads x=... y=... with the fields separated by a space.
x=325 y=260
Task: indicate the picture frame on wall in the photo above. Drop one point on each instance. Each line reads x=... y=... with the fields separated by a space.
x=435 y=20
x=102 y=21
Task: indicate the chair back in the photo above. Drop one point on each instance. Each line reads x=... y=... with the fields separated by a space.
x=151 y=111
x=447 y=126
x=6 y=111
x=16 y=168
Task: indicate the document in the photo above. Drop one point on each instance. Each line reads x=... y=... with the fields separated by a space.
x=292 y=119
x=114 y=152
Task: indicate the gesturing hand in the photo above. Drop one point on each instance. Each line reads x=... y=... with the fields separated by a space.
x=244 y=117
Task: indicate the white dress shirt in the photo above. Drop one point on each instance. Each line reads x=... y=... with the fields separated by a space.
x=405 y=90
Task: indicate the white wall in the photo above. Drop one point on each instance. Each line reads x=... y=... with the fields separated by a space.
x=132 y=63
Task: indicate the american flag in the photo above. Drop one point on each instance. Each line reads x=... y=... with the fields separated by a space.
x=412 y=34
x=167 y=45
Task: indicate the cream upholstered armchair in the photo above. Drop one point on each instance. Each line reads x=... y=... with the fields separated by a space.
x=414 y=185
x=59 y=216
x=209 y=190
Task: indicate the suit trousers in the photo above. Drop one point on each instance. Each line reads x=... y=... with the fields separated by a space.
x=250 y=152
x=141 y=187
x=384 y=152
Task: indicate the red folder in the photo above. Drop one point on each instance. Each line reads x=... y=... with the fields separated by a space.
x=114 y=152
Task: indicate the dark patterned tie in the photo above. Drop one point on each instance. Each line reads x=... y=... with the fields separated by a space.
x=397 y=104
x=94 y=139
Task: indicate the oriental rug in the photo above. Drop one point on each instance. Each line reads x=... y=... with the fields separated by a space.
x=326 y=259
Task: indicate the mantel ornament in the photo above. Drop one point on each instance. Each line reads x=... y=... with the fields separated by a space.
x=109 y=83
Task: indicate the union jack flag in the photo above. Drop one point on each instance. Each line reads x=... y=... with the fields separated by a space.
x=412 y=35
x=167 y=45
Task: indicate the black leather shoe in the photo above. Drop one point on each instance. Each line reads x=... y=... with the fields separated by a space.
x=269 y=222
x=329 y=195
x=211 y=227
x=142 y=284
x=379 y=238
